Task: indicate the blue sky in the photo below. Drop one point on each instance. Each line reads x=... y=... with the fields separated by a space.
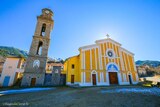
x=133 y=23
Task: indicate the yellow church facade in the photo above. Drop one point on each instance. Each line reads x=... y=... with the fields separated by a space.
x=101 y=64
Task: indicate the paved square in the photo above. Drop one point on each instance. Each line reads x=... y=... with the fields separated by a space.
x=114 y=96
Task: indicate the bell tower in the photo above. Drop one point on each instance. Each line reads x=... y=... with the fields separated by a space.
x=34 y=73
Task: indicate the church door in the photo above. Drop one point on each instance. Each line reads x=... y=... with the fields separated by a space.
x=72 y=79
x=94 y=79
x=33 y=82
x=130 y=79
x=113 y=78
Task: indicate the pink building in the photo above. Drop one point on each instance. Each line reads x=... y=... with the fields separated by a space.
x=12 y=70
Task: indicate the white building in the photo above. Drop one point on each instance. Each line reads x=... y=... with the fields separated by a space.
x=12 y=70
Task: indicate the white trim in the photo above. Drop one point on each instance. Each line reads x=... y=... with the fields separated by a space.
x=95 y=57
x=100 y=56
x=128 y=63
x=128 y=52
x=107 y=47
x=119 y=78
x=84 y=57
x=107 y=40
x=112 y=63
x=124 y=83
x=69 y=83
x=107 y=78
x=118 y=62
x=90 y=84
x=84 y=79
x=104 y=54
x=125 y=62
x=121 y=59
x=88 y=47
x=114 y=55
x=100 y=77
x=86 y=84
x=124 y=77
x=99 y=59
x=90 y=59
x=82 y=61
x=117 y=57
x=102 y=84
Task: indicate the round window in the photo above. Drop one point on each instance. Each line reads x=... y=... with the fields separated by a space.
x=110 y=53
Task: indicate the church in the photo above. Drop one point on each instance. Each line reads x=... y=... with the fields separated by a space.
x=101 y=64
x=104 y=63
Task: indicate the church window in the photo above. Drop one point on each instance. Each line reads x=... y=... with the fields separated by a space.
x=43 y=30
x=39 y=50
x=110 y=53
x=72 y=66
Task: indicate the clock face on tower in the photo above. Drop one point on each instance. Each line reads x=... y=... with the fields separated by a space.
x=46 y=11
x=36 y=63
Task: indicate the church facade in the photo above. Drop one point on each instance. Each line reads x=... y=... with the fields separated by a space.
x=101 y=64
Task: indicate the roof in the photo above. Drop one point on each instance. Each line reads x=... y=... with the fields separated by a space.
x=99 y=41
x=108 y=39
x=55 y=64
x=71 y=57
x=47 y=9
x=88 y=46
x=127 y=51
x=10 y=56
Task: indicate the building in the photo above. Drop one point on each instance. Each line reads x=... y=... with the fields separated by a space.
x=54 y=75
x=141 y=70
x=51 y=65
x=12 y=70
x=34 y=73
x=101 y=64
x=2 y=60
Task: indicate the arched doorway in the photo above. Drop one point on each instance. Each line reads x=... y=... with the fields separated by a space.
x=112 y=70
x=130 y=78
x=113 y=79
x=33 y=82
x=94 y=77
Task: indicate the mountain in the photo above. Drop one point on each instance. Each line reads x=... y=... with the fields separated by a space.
x=11 y=51
x=148 y=62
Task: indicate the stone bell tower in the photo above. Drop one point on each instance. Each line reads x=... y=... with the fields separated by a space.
x=34 y=73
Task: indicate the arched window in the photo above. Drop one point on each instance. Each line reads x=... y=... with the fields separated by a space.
x=43 y=29
x=39 y=49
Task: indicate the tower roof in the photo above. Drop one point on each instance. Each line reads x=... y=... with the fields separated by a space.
x=47 y=9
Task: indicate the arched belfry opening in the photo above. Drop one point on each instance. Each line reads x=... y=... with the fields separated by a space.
x=39 y=49
x=43 y=29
